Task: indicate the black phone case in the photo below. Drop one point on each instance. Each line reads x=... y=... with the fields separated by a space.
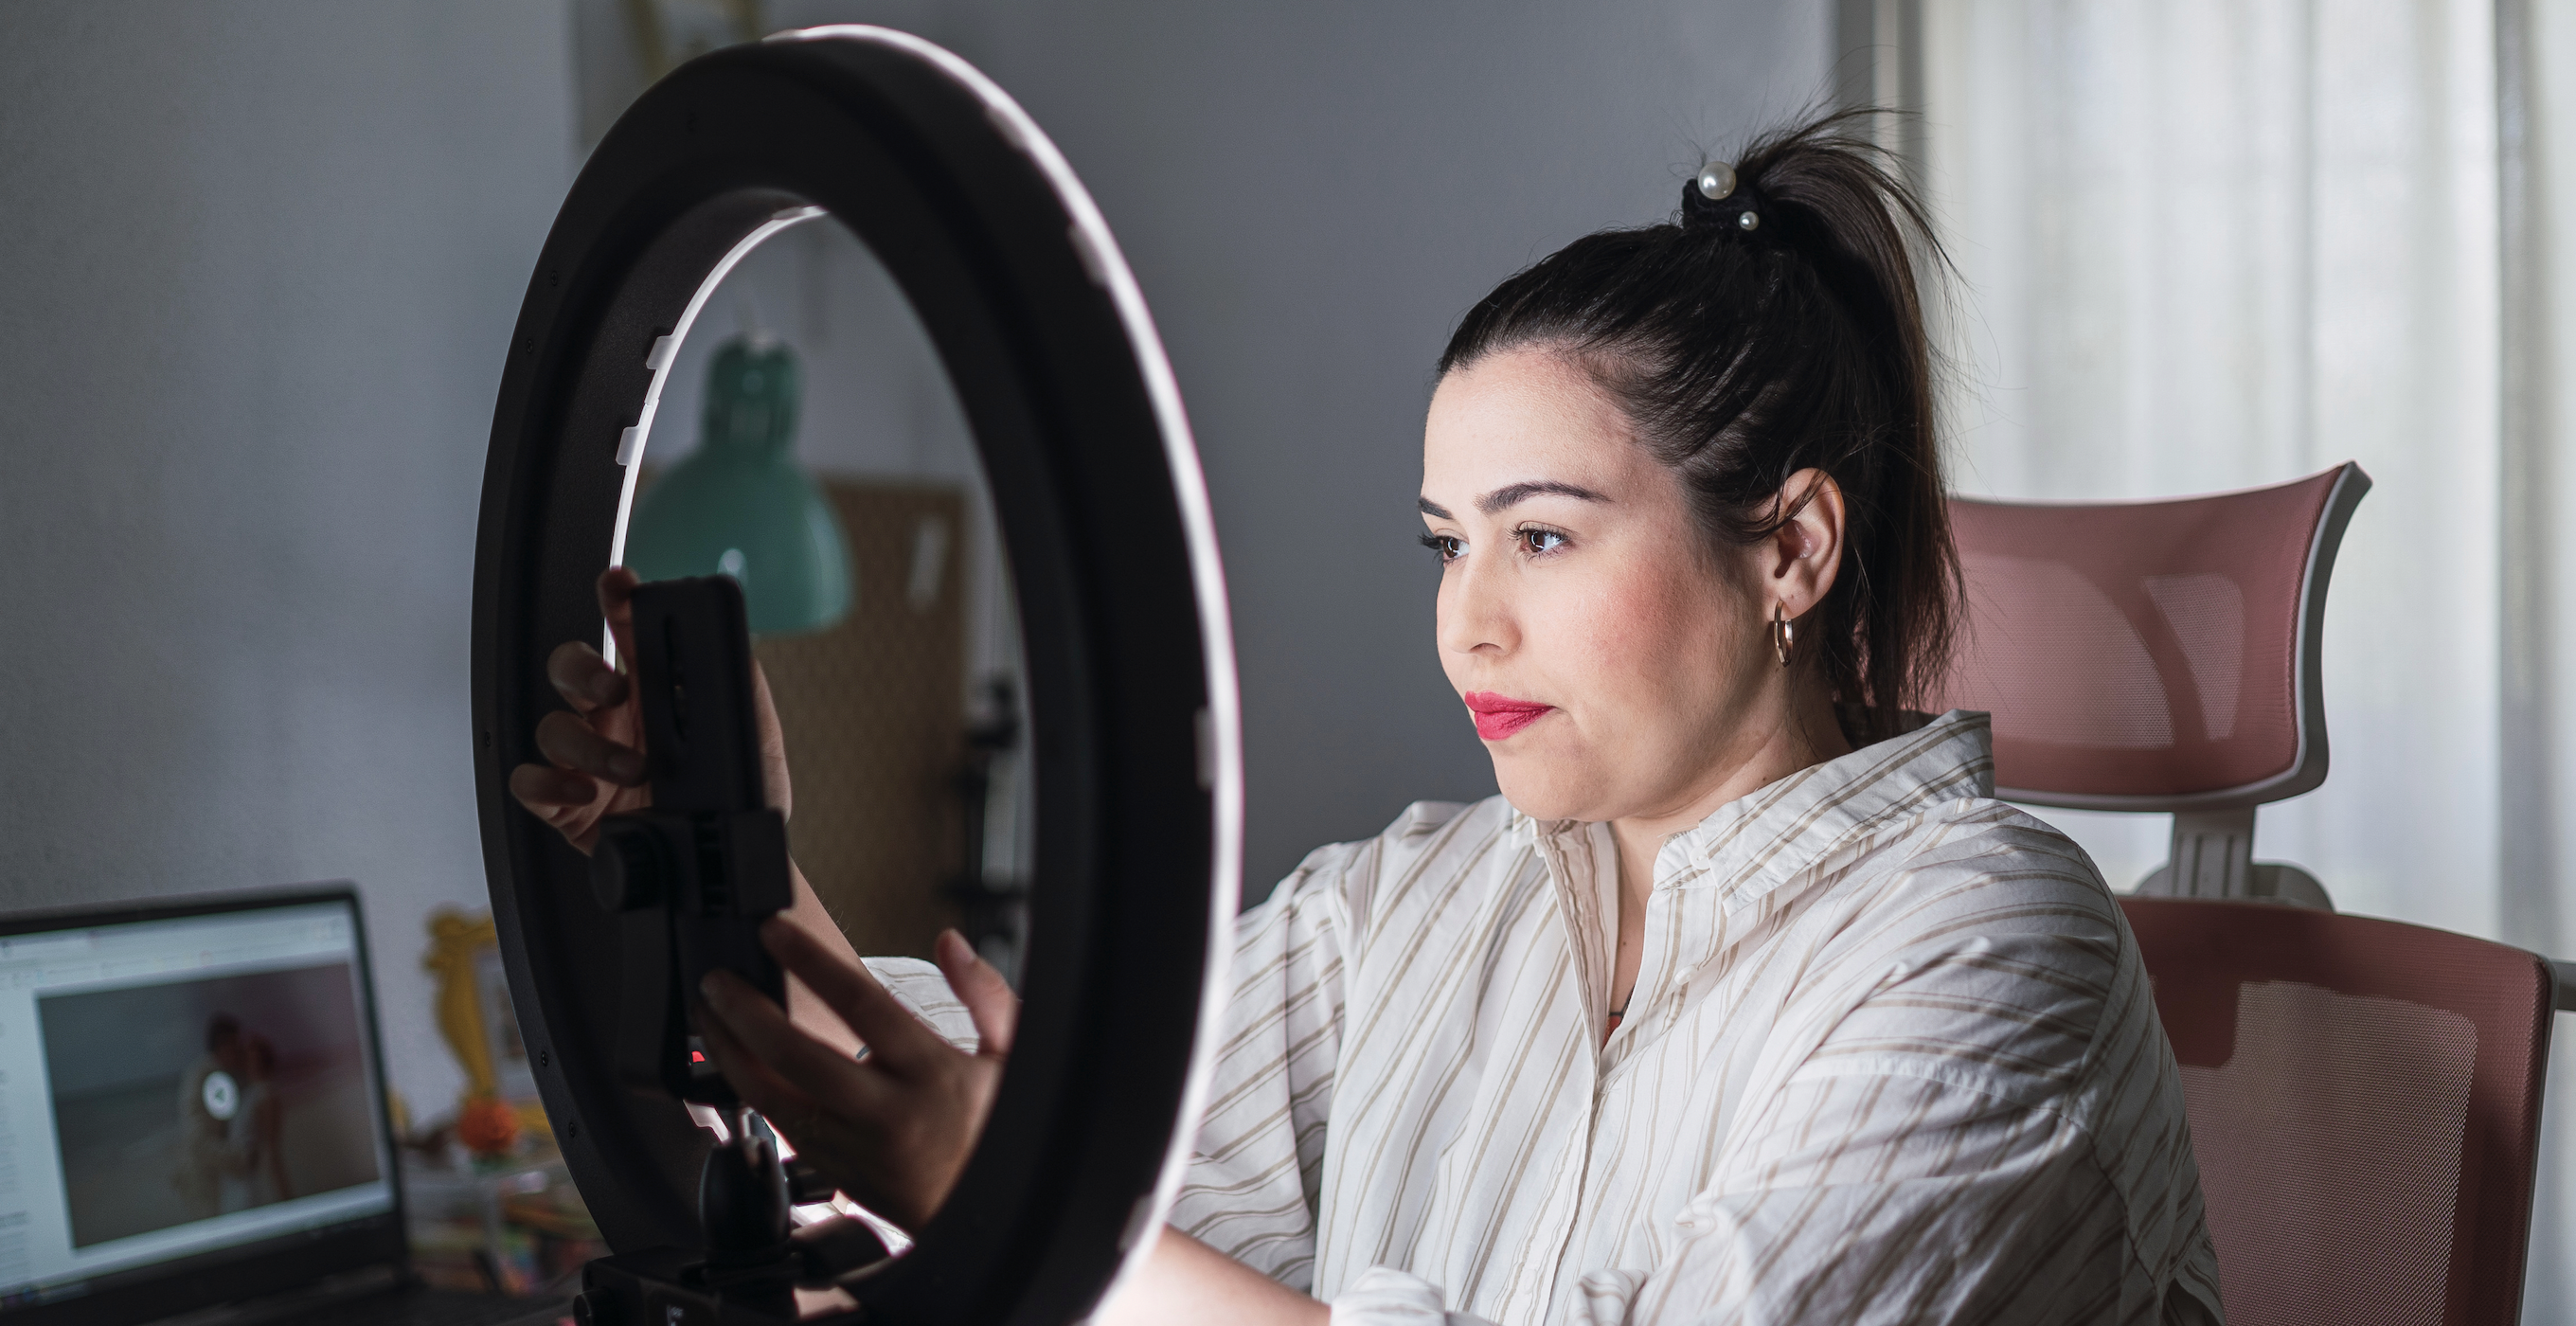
x=693 y=671
x=693 y=663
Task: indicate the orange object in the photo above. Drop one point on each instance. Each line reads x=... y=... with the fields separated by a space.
x=487 y=1125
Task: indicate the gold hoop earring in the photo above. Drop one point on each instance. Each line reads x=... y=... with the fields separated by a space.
x=1784 y=634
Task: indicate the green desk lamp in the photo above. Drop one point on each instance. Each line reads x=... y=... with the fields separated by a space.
x=739 y=506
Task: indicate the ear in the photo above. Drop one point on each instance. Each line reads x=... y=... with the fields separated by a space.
x=1801 y=558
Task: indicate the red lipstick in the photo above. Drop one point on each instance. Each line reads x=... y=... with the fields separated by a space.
x=1499 y=716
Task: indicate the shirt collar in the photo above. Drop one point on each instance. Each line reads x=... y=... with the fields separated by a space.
x=1756 y=843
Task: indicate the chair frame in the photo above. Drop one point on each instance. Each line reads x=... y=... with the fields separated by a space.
x=2212 y=851
x=2308 y=770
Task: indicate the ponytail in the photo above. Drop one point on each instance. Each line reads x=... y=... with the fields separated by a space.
x=1776 y=325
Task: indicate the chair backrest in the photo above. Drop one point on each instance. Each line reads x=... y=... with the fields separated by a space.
x=2152 y=656
x=2364 y=1099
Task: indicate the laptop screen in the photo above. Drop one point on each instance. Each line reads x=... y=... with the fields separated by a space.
x=177 y=1088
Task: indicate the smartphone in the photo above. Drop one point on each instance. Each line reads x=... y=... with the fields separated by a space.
x=697 y=693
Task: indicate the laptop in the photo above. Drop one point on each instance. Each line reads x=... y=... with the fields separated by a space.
x=193 y=1122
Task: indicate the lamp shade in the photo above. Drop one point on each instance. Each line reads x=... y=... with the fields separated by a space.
x=740 y=506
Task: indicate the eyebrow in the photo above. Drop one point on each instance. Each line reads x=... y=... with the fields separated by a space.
x=1513 y=495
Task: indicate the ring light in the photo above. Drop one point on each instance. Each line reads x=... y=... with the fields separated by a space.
x=1098 y=495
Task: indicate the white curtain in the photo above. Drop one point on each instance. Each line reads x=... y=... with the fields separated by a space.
x=2214 y=243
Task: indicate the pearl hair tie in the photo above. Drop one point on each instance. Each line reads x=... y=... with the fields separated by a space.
x=1717 y=184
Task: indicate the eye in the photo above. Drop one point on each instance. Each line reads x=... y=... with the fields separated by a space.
x=1540 y=541
x=1447 y=547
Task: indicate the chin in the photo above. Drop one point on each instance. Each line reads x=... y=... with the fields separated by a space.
x=1544 y=790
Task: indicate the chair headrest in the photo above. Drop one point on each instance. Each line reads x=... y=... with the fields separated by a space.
x=2152 y=656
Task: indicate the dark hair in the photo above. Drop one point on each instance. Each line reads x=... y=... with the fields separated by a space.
x=220 y=1028
x=1745 y=350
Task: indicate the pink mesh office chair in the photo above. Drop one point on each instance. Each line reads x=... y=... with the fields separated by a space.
x=2364 y=1095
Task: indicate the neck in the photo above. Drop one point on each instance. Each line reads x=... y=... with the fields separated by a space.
x=1802 y=732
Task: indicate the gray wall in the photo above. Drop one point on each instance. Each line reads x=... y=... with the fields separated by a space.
x=1311 y=193
x=258 y=262
x=261 y=258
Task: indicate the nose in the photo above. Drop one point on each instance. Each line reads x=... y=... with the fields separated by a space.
x=1475 y=609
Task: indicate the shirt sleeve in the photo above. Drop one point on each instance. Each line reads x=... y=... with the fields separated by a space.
x=1916 y=1165
x=1893 y=1199
x=1252 y=1183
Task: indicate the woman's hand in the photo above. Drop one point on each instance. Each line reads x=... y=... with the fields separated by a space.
x=893 y=1129
x=595 y=753
x=596 y=769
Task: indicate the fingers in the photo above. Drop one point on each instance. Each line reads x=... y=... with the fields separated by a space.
x=761 y=1086
x=897 y=1039
x=571 y=744
x=583 y=678
x=829 y=1106
x=988 y=998
x=585 y=745
x=775 y=1057
x=564 y=800
x=545 y=789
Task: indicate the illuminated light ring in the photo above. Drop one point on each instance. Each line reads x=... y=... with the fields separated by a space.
x=1099 y=496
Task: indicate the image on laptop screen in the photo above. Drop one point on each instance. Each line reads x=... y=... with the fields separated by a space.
x=177 y=1087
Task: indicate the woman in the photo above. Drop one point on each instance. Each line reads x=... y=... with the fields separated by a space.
x=1743 y=1001
x=257 y=1132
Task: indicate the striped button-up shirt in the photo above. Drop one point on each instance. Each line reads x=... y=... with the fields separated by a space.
x=1890 y=1057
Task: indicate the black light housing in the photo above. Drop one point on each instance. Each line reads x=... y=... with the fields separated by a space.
x=1097 y=491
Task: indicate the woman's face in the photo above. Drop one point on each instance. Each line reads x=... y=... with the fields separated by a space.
x=1618 y=665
